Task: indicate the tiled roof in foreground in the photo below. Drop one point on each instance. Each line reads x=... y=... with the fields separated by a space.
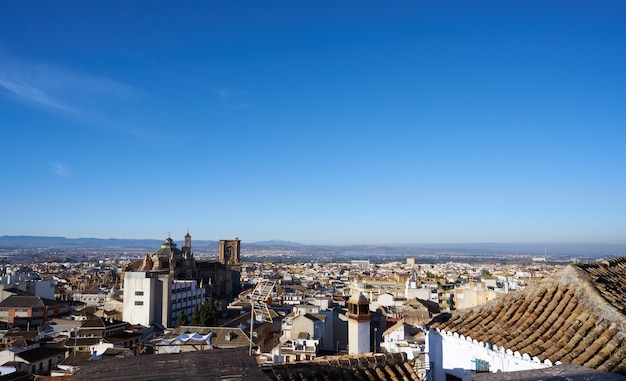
x=236 y=365
x=219 y=364
x=375 y=367
x=578 y=317
x=561 y=372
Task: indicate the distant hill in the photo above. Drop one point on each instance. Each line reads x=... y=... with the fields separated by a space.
x=29 y=242
x=450 y=251
x=278 y=243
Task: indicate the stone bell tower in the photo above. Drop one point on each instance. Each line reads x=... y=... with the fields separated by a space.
x=230 y=251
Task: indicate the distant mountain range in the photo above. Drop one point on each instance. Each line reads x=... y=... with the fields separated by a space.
x=278 y=243
x=533 y=249
x=87 y=243
x=29 y=242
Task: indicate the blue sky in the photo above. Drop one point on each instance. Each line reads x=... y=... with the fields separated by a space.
x=352 y=122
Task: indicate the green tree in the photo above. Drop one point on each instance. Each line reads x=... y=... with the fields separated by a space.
x=182 y=318
x=208 y=313
x=195 y=317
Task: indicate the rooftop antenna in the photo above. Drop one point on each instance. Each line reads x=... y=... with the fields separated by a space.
x=259 y=299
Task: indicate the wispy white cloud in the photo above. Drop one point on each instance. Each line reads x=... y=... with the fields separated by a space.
x=70 y=93
x=27 y=92
x=60 y=169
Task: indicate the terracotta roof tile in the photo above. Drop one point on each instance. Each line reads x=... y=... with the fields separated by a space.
x=577 y=317
x=392 y=367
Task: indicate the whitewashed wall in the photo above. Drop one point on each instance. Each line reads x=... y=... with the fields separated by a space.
x=138 y=281
x=358 y=337
x=455 y=354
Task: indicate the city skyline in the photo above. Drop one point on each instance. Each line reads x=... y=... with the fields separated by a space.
x=325 y=123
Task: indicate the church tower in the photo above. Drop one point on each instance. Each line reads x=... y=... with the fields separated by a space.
x=187 y=246
x=358 y=324
x=188 y=263
x=230 y=251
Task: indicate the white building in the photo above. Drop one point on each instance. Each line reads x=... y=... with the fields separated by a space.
x=298 y=325
x=94 y=297
x=421 y=290
x=402 y=337
x=38 y=360
x=153 y=297
x=295 y=350
x=41 y=288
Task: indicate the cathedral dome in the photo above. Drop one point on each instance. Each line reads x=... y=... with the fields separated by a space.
x=168 y=249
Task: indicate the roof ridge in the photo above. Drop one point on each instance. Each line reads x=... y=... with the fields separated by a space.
x=589 y=296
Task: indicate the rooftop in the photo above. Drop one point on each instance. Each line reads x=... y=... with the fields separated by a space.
x=39 y=354
x=221 y=336
x=219 y=364
x=22 y=301
x=380 y=367
x=576 y=317
x=561 y=372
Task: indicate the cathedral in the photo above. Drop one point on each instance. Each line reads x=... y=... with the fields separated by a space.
x=179 y=263
x=219 y=277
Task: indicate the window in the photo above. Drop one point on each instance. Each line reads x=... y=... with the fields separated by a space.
x=138 y=303
x=482 y=366
x=138 y=293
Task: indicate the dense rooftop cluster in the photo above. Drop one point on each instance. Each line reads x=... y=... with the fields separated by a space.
x=540 y=310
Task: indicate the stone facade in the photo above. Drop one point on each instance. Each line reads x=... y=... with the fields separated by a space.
x=219 y=278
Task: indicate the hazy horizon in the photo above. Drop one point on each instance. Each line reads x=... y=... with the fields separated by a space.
x=287 y=241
